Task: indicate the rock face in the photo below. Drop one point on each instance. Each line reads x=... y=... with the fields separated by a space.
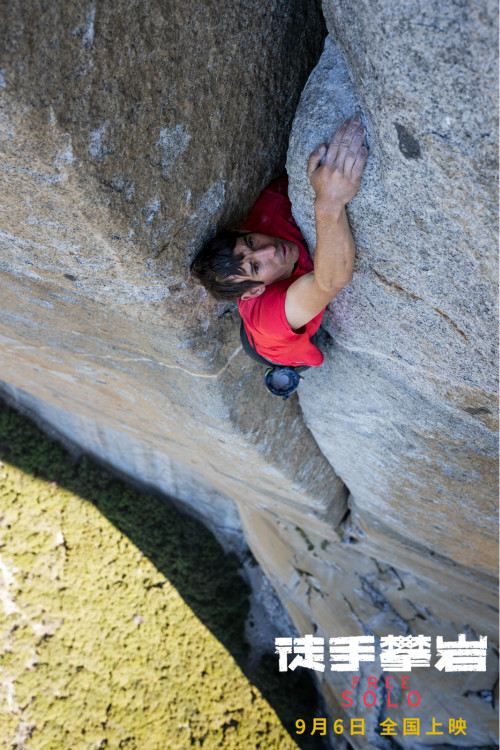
x=127 y=136
x=410 y=371
x=97 y=320
x=412 y=421
x=181 y=111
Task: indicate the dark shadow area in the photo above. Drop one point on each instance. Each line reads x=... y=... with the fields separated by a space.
x=181 y=548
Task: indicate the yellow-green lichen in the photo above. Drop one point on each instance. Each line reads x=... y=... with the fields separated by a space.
x=98 y=649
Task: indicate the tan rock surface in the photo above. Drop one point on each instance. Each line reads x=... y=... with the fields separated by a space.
x=128 y=131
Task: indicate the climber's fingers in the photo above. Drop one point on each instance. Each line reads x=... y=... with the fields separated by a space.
x=335 y=143
x=353 y=149
x=359 y=164
x=315 y=159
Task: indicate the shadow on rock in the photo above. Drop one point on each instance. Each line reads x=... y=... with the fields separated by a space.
x=180 y=547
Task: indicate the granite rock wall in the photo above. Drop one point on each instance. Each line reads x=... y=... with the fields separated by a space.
x=95 y=320
x=127 y=136
x=410 y=420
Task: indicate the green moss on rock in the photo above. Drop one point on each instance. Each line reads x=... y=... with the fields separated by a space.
x=99 y=648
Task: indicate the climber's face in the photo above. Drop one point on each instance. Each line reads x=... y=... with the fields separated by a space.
x=265 y=260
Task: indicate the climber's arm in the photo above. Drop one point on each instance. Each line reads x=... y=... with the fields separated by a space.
x=335 y=174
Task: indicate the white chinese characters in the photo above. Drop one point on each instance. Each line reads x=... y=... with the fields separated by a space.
x=346 y=653
x=396 y=653
x=463 y=655
x=309 y=650
x=402 y=653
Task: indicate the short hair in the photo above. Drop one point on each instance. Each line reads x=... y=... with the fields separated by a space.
x=216 y=264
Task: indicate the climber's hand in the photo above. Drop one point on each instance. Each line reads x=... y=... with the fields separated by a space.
x=335 y=174
x=335 y=171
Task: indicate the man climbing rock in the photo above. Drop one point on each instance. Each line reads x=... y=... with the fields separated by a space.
x=265 y=266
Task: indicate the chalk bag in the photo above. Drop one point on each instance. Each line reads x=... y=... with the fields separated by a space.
x=281 y=381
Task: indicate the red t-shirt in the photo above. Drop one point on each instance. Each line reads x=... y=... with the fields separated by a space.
x=264 y=316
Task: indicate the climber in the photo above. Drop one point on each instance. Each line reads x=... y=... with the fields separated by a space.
x=265 y=266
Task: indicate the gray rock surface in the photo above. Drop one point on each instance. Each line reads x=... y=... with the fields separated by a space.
x=95 y=320
x=412 y=421
x=168 y=105
x=127 y=135
x=405 y=405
